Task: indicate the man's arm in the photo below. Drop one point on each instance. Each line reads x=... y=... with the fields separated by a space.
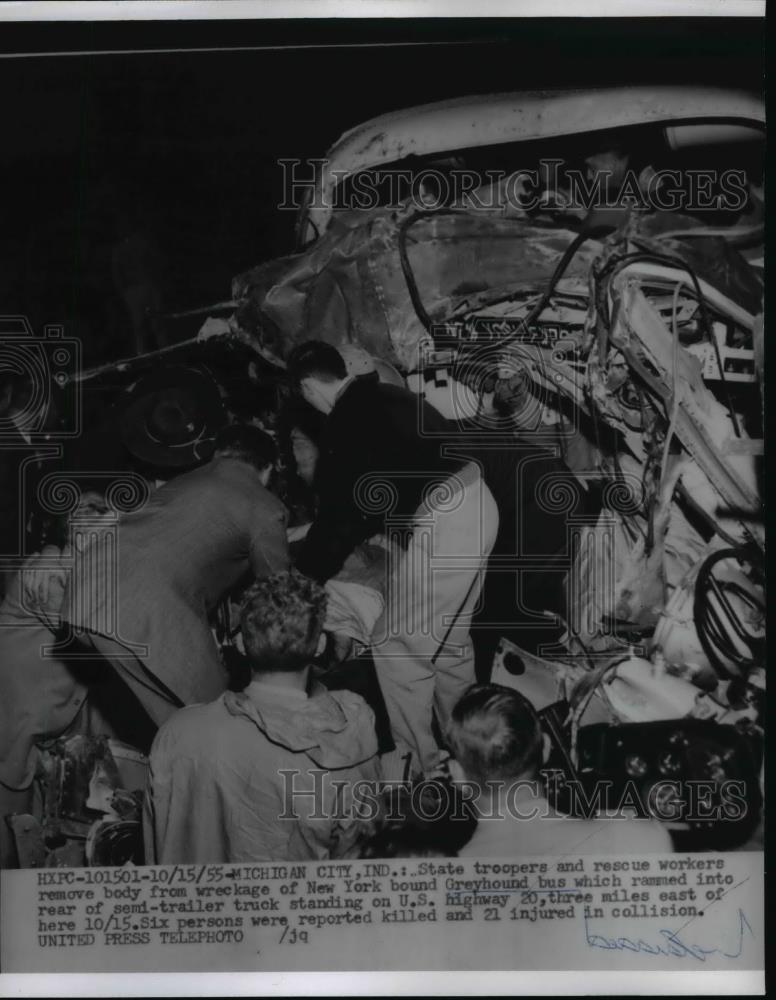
x=331 y=539
x=269 y=543
x=340 y=524
x=155 y=807
x=379 y=433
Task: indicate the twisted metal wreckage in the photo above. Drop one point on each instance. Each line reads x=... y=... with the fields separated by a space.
x=637 y=348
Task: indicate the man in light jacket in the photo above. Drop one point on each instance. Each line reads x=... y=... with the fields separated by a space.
x=145 y=607
x=269 y=773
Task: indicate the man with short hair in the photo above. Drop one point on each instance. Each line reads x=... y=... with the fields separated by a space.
x=266 y=774
x=383 y=468
x=499 y=747
x=145 y=607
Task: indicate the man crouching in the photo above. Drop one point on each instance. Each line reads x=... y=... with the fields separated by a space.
x=263 y=774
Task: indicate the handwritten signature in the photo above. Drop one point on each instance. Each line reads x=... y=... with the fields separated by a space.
x=670 y=943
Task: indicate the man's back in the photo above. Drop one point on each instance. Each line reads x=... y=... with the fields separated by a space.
x=197 y=538
x=217 y=792
x=198 y=528
x=194 y=539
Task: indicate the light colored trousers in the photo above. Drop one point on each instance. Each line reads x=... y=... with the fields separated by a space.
x=421 y=646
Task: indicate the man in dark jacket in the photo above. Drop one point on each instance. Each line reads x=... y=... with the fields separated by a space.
x=374 y=460
x=145 y=609
x=383 y=468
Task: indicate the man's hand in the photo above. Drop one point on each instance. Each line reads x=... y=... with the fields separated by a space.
x=43 y=586
x=297 y=533
x=342 y=646
x=440 y=769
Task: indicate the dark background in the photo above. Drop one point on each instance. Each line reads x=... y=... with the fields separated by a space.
x=186 y=143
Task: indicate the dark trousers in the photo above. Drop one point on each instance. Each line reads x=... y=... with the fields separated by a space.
x=359 y=675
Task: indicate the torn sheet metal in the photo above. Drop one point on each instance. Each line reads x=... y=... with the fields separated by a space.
x=350 y=287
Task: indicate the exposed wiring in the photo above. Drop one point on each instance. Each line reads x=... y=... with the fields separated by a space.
x=584 y=692
x=708 y=326
x=677 y=263
x=721 y=649
x=649 y=496
x=674 y=389
x=536 y=309
x=571 y=635
x=685 y=497
x=586 y=687
x=409 y=276
x=563 y=263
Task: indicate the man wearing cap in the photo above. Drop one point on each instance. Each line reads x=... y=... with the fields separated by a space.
x=145 y=607
x=382 y=468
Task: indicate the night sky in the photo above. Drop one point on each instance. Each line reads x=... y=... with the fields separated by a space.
x=187 y=143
